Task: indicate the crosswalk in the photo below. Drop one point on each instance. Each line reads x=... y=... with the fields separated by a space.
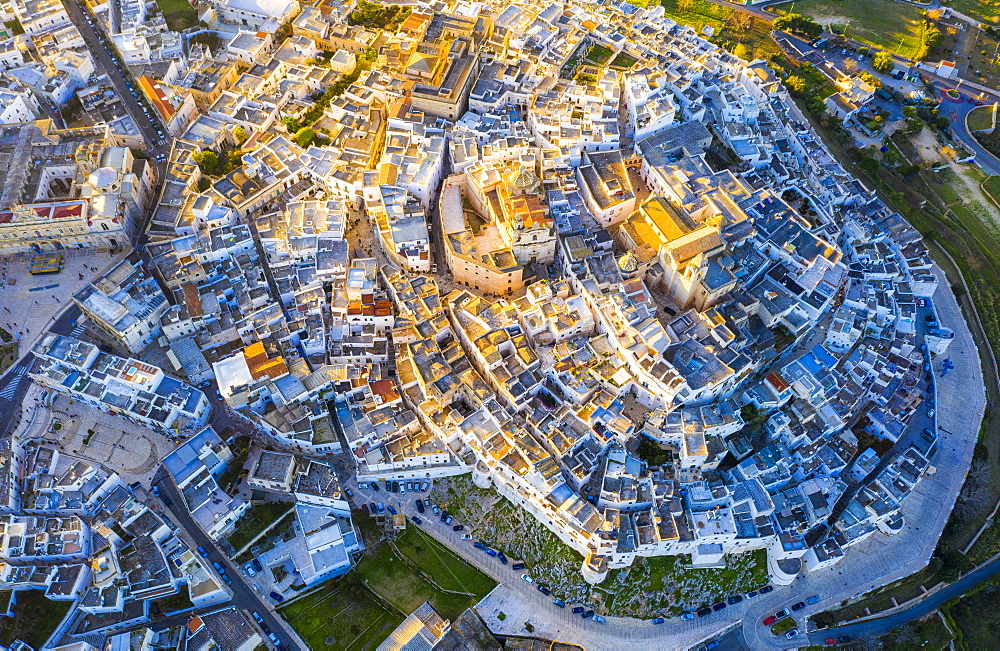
x=15 y=379
x=77 y=330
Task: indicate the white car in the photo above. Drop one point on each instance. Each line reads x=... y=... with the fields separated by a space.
x=250 y=571
x=527 y=579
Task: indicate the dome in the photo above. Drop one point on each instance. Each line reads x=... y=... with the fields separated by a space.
x=628 y=263
x=103 y=177
x=524 y=179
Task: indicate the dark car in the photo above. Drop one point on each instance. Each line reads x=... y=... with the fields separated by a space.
x=517 y=566
x=559 y=602
x=751 y=594
x=544 y=590
x=388 y=485
x=365 y=507
x=444 y=516
x=374 y=508
x=843 y=639
x=659 y=620
x=588 y=614
x=256 y=565
x=478 y=545
x=374 y=487
x=391 y=509
x=577 y=610
x=719 y=606
x=420 y=506
x=735 y=599
x=276 y=596
x=704 y=611
x=491 y=552
x=201 y=550
x=458 y=527
x=417 y=520
x=766 y=589
x=799 y=606
x=502 y=557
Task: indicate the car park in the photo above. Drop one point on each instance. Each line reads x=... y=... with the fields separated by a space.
x=704 y=611
x=527 y=579
x=798 y=606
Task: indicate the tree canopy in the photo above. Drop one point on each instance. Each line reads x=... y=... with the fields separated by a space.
x=798 y=24
x=882 y=62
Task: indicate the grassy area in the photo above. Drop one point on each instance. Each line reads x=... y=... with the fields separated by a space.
x=624 y=61
x=257 y=518
x=374 y=16
x=992 y=188
x=14 y=27
x=893 y=26
x=394 y=580
x=988 y=11
x=4 y=335
x=341 y=614
x=35 y=619
x=663 y=585
x=178 y=14
x=974 y=617
x=928 y=633
x=8 y=355
x=445 y=568
x=598 y=55
x=174 y=602
x=231 y=475
x=783 y=626
x=731 y=26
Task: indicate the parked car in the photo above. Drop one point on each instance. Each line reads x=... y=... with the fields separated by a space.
x=587 y=614
x=491 y=552
x=527 y=579
x=751 y=594
x=735 y=599
x=781 y=614
x=702 y=612
x=458 y=527
x=599 y=619
x=712 y=645
x=427 y=502
x=257 y=618
x=719 y=606
x=374 y=508
x=559 y=602
x=687 y=616
x=420 y=506
x=843 y=639
x=798 y=606
x=466 y=536
x=766 y=589
x=448 y=520
x=391 y=509
x=277 y=597
x=517 y=566
x=435 y=509
x=349 y=492
x=256 y=565
x=478 y=545
x=577 y=610
x=201 y=550
x=424 y=486
x=792 y=633
x=365 y=507
x=274 y=638
x=502 y=557
x=769 y=620
x=660 y=620
x=374 y=487
x=417 y=520
x=218 y=567
x=250 y=571
x=381 y=507
x=409 y=486
x=544 y=590
x=225 y=577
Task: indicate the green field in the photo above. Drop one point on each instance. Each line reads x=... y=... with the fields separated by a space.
x=8 y=355
x=980 y=118
x=988 y=11
x=893 y=26
x=442 y=565
x=257 y=518
x=35 y=619
x=179 y=14
x=731 y=26
x=341 y=614
x=400 y=585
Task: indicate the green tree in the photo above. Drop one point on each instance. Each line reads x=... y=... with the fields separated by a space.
x=942 y=122
x=208 y=161
x=240 y=134
x=796 y=84
x=799 y=24
x=741 y=51
x=933 y=37
x=882 y=62
x=204 y=183
x=304 y=136
x=910 y=111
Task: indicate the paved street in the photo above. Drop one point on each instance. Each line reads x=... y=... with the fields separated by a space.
x=243 y=596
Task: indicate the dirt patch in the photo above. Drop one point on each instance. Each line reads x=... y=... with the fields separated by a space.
x=966 y=186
